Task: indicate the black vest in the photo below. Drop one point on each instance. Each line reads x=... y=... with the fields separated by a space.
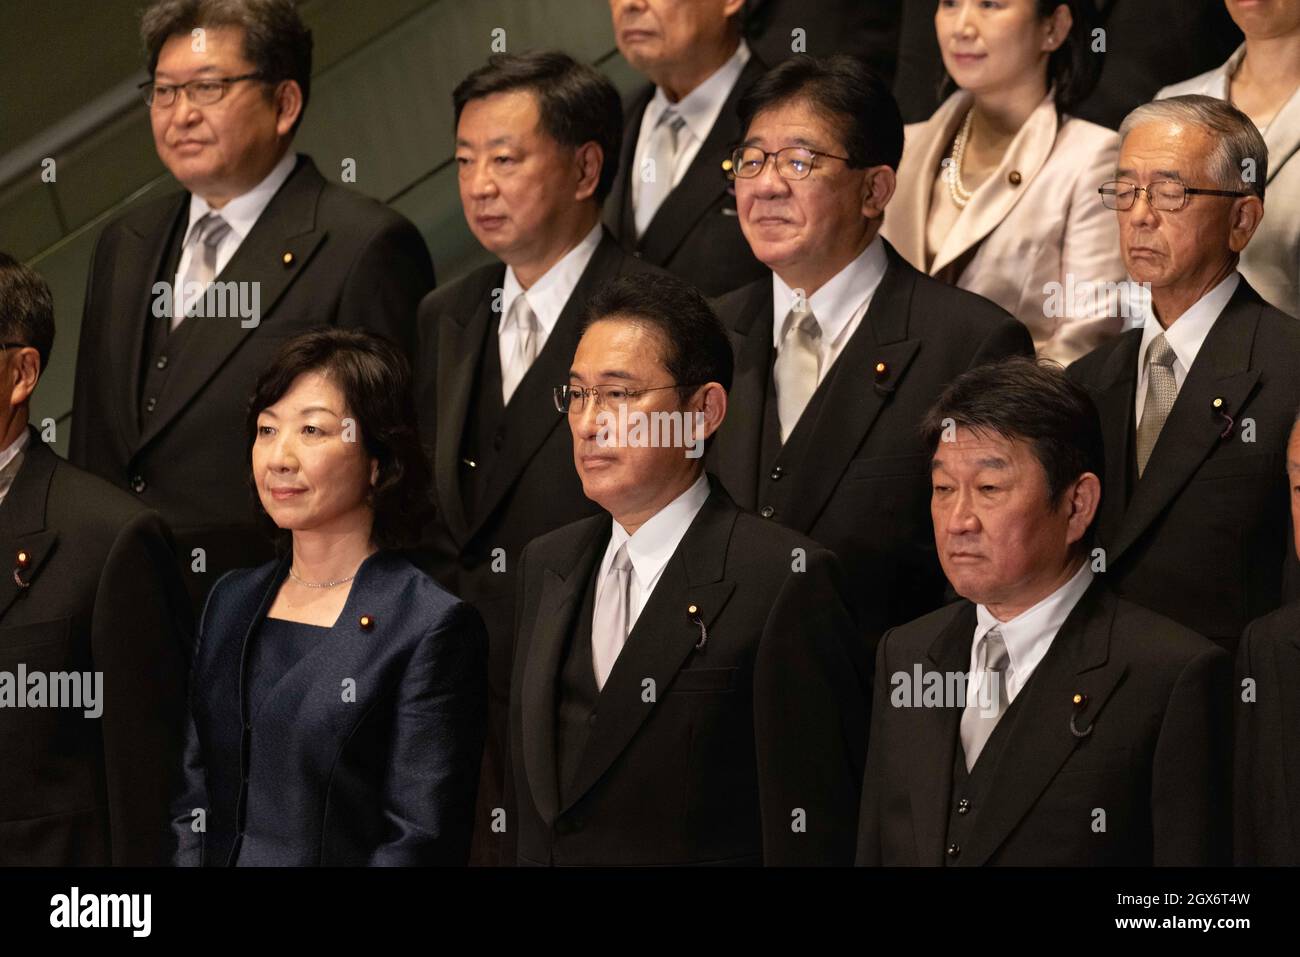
x=970 y=789
x=162 y=345
x=578 y=695
x=484 y=424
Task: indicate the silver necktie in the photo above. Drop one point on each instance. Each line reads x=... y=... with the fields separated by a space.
x=657 y=176
x=977 y=721
x=518 y=360
x=609 y=623
x=797 y=365
x=205 y=236
x=1162 y=390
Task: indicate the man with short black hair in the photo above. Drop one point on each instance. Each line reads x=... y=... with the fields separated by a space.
x=842 y=346
x=191 y=294
x=683 y=691
x=537 y=141
x=93 y=603
x=1041 y=720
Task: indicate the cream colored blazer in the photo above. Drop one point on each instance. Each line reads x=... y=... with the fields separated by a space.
x=1271 y=263
x=1044 y=247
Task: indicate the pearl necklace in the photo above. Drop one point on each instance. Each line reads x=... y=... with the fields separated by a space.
x=952 y=174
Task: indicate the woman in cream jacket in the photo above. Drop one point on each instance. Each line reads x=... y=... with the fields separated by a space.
x=997 y=191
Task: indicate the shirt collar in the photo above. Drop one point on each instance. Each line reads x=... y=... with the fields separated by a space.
x=1189 y=331
x=838 y=300
x=548 y=296
x=655 y=541
x=701 y=107
x=1030 y=634
x=243 y=211
x=14 y=447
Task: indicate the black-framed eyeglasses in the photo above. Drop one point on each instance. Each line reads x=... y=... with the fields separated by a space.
x=202 y=92
x=792 y=162
x=573 y=398
x=1166 y=195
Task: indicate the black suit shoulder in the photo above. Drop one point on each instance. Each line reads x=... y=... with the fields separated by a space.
x=1146 y=639
x=464 y=293
x=1273 y=628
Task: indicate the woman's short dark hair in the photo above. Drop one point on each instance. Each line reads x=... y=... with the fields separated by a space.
x=1073 y=68
x=847 y=93
x=276 y=41
x=696 y=347
x=375 y=380
x=26 y=308
x=1029 y=400
x=578 y=104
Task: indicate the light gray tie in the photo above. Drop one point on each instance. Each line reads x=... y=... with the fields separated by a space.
x=664 y=144
x=1162 y=390
x=798 y=362
x=978 y=721
x=609 y=623
x=205 y=236
x=527 y=334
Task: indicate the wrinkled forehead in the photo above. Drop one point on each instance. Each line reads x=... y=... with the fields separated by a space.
x=1166 y=149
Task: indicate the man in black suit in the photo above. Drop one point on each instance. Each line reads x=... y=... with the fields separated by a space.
x=869 y=30
x=672 y=203
x=1267 y=760
x=90 y=603
x=537 y=144
x=167 y=357
x=822 y=436
x=682 y=689
x=1042 y=720
x=1197 y=402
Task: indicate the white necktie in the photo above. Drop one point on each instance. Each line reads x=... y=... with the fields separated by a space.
x=657 y=176
x=516 y=361
x=609 y=623
x=797 y=365
x=979 y=721
x=205 y=236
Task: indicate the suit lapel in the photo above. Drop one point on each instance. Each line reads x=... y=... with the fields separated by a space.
x=934 y=742
x=738 y=445
x=1040 y=739
x=457 y=365
x=563 y=586
x=140 y=260
x=1283 y=136
x=854 y=397
x=531 y=413
x=619 y=216
x=23 y=521
x=286 y=228
x=909 y=209
x=1115 y=399
x=703 y=181
x=663 y=638
x=1193 y=429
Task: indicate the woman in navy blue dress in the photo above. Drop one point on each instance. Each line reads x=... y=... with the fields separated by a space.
x=337 y=695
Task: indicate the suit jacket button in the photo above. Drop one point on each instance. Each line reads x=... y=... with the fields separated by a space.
x=150 y=404
x=637 y=254
x=161 y=363
x=776 y=474
x=767 y=511
x=954 y=850
x=1014 y=177
x=138 y=484
x=963 y=806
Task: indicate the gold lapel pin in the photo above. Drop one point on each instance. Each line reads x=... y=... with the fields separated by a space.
x=22 y=560
x=693 y=612
x=367 y=623
x=287 y=259
x=1080 y=702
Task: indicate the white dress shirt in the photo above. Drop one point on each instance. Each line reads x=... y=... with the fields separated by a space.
x=1185 y=336
x=1029 y=634
x=651 y=546
x=547 y=297
x=838 y=305
x=699 y=108
x=7 y=456
x=240 y=214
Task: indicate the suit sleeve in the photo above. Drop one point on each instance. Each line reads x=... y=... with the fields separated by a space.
x=383 y=289
x=810 y=720
x=868 y=853
x=510 y=797
x=1190 y=805
x=433 y=767
x=140 y=642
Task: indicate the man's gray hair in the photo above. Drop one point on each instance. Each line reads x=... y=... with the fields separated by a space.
x=1239 y=159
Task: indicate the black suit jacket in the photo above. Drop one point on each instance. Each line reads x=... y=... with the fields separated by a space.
x=350 y=262
x=1266 y=789
x=533 y=488
x=1203 y=538
x=101 y=594
x=865 y=491
x=868 y=30
x=313 y=777
x=765 y=719
x=1155 y=761
x=695 y=233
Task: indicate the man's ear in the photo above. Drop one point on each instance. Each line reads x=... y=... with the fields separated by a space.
x=26 y=372
x=1083 y=502
x=288 y=106
x=1247 y=212
x=590 y=159
x=711 y=403
x=878 y=187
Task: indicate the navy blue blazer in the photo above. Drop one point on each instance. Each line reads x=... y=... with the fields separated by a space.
x=382 y=774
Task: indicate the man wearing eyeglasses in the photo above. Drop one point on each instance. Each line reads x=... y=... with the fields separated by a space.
x=190 y=294
x=683 y=688
x=1197 y=402
x=843 y=346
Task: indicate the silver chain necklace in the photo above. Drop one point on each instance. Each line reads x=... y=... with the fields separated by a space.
x=301 y=581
